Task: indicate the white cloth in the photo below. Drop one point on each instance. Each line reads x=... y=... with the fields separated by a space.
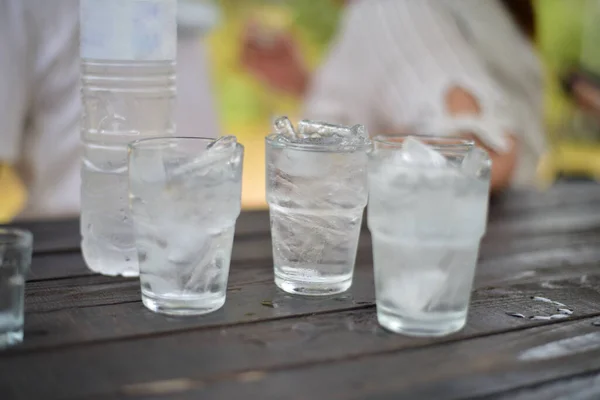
x=40 y=104
x=394 y=61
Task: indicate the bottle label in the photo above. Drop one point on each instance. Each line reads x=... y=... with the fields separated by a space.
x=134 y=30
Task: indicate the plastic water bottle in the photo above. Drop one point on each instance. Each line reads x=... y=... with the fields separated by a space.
x=128 y=50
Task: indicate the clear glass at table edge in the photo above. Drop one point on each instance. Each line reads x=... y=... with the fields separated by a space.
x=15 y=259
x=316 y=196
x=426 y=221
x=185 y=198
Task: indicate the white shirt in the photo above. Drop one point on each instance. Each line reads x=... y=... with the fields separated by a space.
x=394 y=61
x=40 y=103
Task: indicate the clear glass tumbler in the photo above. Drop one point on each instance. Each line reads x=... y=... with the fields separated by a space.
x=428 y=200
x=316 y=195
x=15 y=259
x=185 y=198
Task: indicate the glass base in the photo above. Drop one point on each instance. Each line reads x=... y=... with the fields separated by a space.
x=439 y=324
x=304 y=288
x=11 y=338
x=182 y=307
x=111 y=264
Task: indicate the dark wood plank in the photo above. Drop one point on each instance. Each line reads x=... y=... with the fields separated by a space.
x=53 y=235
x=80 y=299
x=564 y=219
x=310 y=347
x=63 y=235
x=494 y=246
x=98 y=290
x=65 y=304
x=585 y=387
x=113 y=309
x=80 y=313
x=458 y=370
x=253 y=223
x=131 y=319
x=536 y=230
x=57 y=266
x=252 y=230
x=559 y=195
x=525 y=259
x=487 y=365
x=521 y=205
x=106 y=302
x=515 y=250
x=246 y=249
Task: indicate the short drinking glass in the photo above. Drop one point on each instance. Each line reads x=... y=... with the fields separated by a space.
x=427 y=212
x=185 y=197
x=15 y=259
x=317 y=192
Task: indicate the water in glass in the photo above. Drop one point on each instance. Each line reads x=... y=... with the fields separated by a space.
x=316 y=190
x=427 y=214
x=185 y=196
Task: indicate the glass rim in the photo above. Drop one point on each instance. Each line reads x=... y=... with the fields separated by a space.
x=447 y=143
x=15 y=237
x=139 y=144
x=270 y=140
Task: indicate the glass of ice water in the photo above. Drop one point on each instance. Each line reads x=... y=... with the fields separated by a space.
x=428 y=200
x=185 y=197
x=317 y=192
x=15 y=259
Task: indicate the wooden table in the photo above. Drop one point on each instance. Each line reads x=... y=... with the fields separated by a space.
x=89 y=337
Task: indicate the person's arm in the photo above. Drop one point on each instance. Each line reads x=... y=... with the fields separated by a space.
x=462 y=103
x=584 y=88
x=450 y=89
x=395 y=67
x=275 y=60
x=442 y=85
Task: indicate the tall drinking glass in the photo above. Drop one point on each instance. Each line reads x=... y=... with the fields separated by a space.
x=15 y=259
x=428 y=200
x=317 y=192
x=185 y=197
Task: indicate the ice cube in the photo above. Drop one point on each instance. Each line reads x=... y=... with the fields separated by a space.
x=357 y=138
x=162 y=284
x=283 y=126
x=282 y=139
x=416 y=291
x=477 y=163
x=418 y=153
x=223 y=143
x=303 y=164
x=186 y=245
x=188 y=250
x=217 y=157
x=147 y=167
x=360 y=131
x=202 y=267
x=308 y=128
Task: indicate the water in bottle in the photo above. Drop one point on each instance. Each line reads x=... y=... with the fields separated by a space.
x=128 y=50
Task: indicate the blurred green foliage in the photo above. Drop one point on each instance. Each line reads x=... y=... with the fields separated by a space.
x=319 y=17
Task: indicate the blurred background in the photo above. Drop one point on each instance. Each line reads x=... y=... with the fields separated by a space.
x=242 y=62
x=252 y=88
x=568 y=33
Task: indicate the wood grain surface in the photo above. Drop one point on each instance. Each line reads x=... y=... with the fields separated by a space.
x=89 y=337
